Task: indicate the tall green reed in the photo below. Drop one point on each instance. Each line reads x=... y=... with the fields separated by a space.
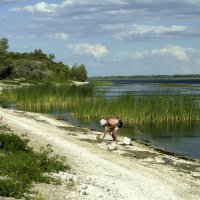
x=82 y=102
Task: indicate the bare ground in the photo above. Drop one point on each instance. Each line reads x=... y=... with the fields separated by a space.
x=104 y=171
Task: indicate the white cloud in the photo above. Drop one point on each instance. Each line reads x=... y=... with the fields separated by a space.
x=96 y=50
x=16 y=9
x=121 y=31
x=58 y=36
x=9 y=1
x=91 y=2
x=173 y=50
x=41 y=7
x=144 y=6
x=67 y=3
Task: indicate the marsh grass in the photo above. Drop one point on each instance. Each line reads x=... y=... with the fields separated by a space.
x=82 y=102
x=20 y=166
x=100 y=83
x=158 y=108
x=46 y=94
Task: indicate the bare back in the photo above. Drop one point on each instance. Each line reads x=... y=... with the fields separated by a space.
x=112 y=121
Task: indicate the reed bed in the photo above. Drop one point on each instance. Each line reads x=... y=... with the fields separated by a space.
x=82 y=102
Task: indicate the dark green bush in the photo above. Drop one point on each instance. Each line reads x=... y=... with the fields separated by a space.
x=11 y=142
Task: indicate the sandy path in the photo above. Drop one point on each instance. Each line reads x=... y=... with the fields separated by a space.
x=99 y=172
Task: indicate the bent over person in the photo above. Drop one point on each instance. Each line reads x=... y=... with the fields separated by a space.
x=111 y=125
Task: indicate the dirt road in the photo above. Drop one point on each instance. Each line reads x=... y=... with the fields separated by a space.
x=103 y=171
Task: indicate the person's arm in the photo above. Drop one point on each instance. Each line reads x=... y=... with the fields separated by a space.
x=105 y=132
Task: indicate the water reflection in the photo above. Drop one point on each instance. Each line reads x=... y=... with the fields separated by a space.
x=180 y=138
x=147 y=89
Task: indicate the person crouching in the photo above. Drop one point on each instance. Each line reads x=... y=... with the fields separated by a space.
x=111 y=125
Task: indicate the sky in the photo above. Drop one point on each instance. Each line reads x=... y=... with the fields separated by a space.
x=110 y=37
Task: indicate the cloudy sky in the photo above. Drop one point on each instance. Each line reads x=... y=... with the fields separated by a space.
x=111 y=37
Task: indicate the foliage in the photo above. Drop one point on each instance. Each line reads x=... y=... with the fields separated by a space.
x=3 y=46
x=11 y=142
x=78 y=73
x=36 y=66
x=5 y=64
x=20 y=166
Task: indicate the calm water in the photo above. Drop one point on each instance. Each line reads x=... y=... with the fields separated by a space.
x=149 y=88
x=181 y=138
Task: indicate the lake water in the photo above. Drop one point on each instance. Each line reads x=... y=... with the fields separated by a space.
x=180 y=138
x=151 y=87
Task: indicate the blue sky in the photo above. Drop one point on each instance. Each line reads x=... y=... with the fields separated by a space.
x=111 y=37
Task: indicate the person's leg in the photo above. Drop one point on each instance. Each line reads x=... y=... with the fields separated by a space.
x=114 y=134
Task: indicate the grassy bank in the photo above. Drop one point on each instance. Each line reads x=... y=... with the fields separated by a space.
x=20 y=166
x=82 y=102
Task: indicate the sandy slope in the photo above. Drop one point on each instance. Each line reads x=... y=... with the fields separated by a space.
x=103 y=171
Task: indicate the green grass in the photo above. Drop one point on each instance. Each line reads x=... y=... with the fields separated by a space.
x=20 y=166
x=100 y=83
x=10 y=82
x=82 y=102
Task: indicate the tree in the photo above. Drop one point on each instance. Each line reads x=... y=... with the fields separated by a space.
x=5 y=64
x=38 y=53
x=38 y=75
x=3 y=47
x=36 y=65
x=82 y=73
x=78 y=73
x=51 y=57
x=73 y=72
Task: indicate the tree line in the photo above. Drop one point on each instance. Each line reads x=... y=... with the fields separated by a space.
x=36 y=66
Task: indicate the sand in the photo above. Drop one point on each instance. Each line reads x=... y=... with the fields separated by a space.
x=101 y=170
